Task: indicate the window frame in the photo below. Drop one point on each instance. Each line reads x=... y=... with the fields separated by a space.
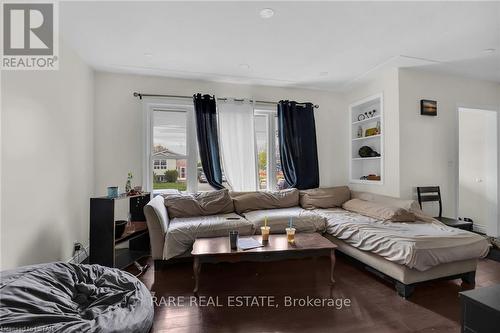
x=182 y=173
x=270 y=114
x=150 y=105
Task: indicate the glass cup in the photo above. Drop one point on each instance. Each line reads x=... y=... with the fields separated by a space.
x=113 y=192
x=265 y=233
x=233 y=240
x=290 y=235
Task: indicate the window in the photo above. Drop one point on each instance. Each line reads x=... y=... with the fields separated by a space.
x=262 y=140
x=182 y=172
x=171 y=150
x=268 y=158
x=171 y=158
x=160 y=164
x=202 y=184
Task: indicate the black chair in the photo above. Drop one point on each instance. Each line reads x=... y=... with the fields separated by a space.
x=432 y=193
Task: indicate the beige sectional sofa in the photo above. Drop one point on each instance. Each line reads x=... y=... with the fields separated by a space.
x=399 y=242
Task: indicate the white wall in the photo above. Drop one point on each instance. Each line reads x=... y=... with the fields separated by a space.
x=58 y=127
x=429 y=145
x=387 y=84
x=118 y=122
x=478 y=154
x=46 y=161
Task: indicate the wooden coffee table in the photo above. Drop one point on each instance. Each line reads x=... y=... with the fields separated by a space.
x=307 y=245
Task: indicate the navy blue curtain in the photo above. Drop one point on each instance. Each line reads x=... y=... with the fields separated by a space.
x=297 y=141
x=208 y=140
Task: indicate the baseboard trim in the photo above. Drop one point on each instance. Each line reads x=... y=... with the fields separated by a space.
x=479 y=228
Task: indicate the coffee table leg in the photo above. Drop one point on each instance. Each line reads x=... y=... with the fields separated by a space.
x=196 y=270
x=332 y=263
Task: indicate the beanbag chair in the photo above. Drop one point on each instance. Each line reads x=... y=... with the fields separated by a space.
x=63 y=297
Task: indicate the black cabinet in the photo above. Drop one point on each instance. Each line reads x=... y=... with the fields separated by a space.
x=481 y=310
x=103 y=243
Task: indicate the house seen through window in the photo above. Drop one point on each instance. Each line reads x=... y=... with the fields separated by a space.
x=268 y=155
x=169 y=153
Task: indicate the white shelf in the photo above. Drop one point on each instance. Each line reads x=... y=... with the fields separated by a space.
x=366 y=158
x=366 y=181
x=367 y=137
x=363 y=166
x=375 y=118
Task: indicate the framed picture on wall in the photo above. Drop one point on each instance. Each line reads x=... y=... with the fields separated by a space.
x=428 y=107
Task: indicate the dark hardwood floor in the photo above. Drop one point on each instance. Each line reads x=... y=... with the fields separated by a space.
x=375 y=306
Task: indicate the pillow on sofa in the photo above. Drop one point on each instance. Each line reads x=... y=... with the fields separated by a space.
x=246 y=202
x=379 y=211
x=199 y=204
x=327 y=197
x=407 y=204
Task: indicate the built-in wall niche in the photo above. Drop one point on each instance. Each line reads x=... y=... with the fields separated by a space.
x=367 y=130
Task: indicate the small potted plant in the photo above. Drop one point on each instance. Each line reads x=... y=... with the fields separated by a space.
x=128 y=185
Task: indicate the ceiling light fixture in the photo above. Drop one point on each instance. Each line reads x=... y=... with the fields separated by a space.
x=148 y=55
x=244 y=66
x=323 y=73
x=488 y=50
x=266 y=13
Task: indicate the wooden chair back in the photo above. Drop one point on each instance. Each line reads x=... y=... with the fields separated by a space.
x=430 y=193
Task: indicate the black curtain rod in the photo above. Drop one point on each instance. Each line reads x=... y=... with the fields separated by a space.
x=141 y=95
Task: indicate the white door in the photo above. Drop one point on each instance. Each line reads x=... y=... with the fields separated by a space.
x=478 y=171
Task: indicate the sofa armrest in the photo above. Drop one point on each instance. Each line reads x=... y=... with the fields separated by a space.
x=157 y=221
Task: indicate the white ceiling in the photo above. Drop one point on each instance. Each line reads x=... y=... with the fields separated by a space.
x=296 y=47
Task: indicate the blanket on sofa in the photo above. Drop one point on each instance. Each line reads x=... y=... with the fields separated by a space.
x=183 y=231
x=420 y=245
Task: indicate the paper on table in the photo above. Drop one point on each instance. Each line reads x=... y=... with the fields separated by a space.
x=248 y=243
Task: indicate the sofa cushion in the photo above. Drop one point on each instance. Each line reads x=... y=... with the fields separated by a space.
x=379 y=210
x=249 y=201
x=199 y=204
x=278 y=219
x=182 y=231
x=328 y=197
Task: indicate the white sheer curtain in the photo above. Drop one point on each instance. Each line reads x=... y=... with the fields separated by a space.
x=237 y=143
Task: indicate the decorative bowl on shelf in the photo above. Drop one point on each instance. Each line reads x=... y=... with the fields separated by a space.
x=373 y=177
x=120 y=228
x=366 y=151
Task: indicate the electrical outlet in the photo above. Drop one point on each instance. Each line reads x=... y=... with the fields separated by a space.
x=77 y=246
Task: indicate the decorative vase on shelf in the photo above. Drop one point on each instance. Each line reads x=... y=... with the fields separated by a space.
x=128 y=185
x=360 y=132
x=378 y=127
